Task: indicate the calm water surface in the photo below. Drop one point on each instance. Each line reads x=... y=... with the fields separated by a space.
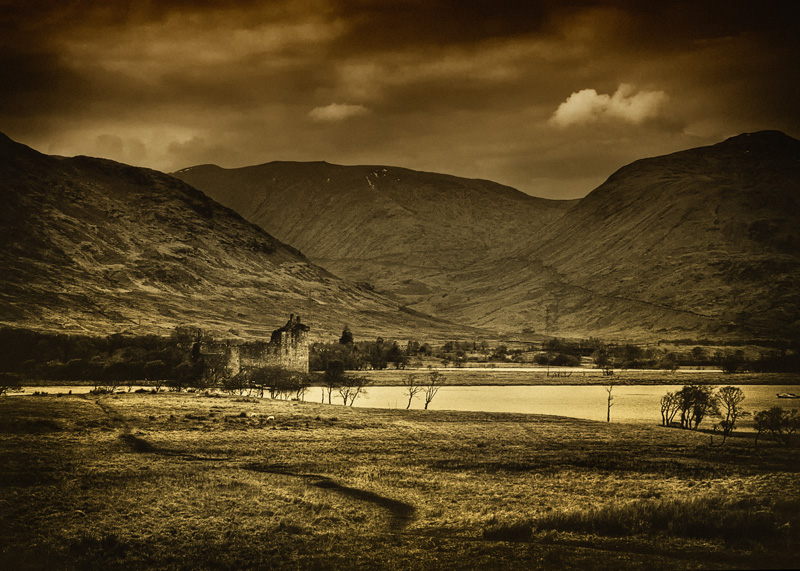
x=632 y=403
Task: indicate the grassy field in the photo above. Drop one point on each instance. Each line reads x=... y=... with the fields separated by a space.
x=180 y=481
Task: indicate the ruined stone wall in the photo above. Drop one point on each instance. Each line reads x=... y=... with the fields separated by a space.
x=288 y=348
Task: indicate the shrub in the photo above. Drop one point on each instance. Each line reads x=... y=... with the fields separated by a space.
x=514 y=531
x=565 y=360
x=780 y=424
x=705 y=517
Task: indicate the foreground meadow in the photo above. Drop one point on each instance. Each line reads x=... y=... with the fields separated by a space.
x=184 y=481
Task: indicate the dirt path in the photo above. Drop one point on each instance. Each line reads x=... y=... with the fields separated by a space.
x=400 y=513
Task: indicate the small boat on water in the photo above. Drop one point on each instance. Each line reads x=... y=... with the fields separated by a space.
x=788 y=396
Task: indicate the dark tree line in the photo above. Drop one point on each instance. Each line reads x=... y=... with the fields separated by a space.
x=363 y=355
x=110 y=359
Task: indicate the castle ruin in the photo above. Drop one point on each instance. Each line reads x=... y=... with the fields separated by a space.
x=287 y=348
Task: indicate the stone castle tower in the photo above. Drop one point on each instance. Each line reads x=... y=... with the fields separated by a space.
x=291 y=344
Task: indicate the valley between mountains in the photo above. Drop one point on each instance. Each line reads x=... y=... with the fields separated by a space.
x=699 y=243
x=702 y=242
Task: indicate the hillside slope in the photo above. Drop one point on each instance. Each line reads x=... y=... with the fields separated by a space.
x=703 y=240
x=699 y=242
x=402 y=231
x=90 y=245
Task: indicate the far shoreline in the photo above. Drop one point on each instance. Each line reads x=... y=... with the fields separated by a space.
x=471 y=377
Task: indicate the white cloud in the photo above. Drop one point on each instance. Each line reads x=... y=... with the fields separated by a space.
x=337 y=112
x=588 y=106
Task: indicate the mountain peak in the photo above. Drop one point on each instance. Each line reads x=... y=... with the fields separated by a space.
x=768 y=142
x=765 y=135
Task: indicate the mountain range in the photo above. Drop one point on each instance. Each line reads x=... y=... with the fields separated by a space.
x=94 y=246
x=698 y=243
x=702 y=242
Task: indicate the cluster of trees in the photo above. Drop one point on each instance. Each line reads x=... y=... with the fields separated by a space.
x=380 y=354
x=778 y=423
x=554 y=352
x=569 y=353
x=276 y=382
x=773 y=361
x=631 y=357
x=362 y=355
x=693 y=403
x=729 y=360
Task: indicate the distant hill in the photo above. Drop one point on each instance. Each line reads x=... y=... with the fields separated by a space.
x=700 y=242
x=402 y=231
x=90 y=245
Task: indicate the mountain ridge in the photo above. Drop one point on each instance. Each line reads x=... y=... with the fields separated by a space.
x=644 y=253
x=720 y=219
x=95 y=246
x=701 y=242
x=339 y=215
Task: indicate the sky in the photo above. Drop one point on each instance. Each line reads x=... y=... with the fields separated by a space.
x=547 y=96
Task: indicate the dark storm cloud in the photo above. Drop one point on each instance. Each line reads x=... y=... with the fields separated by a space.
x=547 y=96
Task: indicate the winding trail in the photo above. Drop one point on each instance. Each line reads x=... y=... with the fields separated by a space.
x=400 y=513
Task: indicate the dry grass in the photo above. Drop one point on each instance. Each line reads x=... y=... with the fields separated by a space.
x=737 y=520
x=182 y=481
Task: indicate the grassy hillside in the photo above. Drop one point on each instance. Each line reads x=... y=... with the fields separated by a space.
x=94 y=246
x=403 y=231
x=703 y=240
x=700 y=242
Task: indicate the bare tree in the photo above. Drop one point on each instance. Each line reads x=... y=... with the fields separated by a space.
x=434 y=383
x=412 y=388
x=609 y=404
x=670 y=405
x=351 y=387
x=730 y=398
x=333 y=377
x=301 y=387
